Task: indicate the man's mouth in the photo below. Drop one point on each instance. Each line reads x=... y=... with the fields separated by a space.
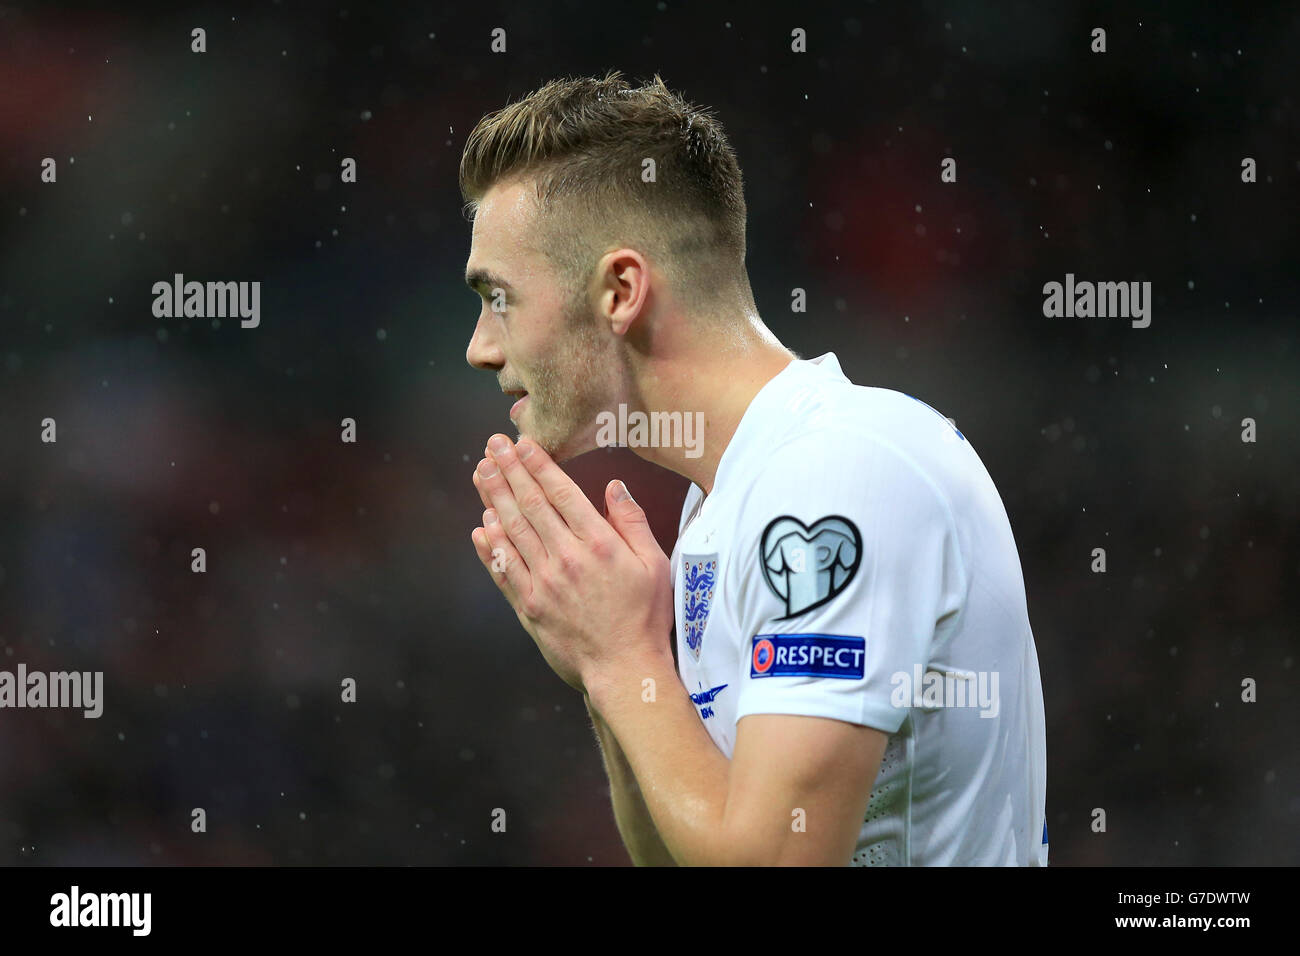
x=522 y=395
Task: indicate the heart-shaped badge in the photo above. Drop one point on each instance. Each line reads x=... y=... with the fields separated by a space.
x=806 y=566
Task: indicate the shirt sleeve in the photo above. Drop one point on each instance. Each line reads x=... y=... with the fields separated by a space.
x=850 y=560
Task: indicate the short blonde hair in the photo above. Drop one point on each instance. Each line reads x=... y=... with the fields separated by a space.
x=584 y=142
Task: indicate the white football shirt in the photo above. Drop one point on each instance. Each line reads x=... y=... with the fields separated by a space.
x=854 y=561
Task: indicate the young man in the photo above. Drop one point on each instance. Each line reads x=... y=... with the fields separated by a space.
x=856 y=679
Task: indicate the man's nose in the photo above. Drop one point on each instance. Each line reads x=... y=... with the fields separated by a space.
x=483 y=353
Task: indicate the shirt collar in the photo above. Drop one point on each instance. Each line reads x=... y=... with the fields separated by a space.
x=768 y=403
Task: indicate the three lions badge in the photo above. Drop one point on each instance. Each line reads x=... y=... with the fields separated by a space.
x=699 y=581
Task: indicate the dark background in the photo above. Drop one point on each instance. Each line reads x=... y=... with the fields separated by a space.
x=328 y=560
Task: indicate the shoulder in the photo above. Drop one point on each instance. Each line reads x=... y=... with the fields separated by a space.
x=850 y=440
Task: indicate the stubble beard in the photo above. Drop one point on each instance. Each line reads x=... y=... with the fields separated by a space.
x=569 y=390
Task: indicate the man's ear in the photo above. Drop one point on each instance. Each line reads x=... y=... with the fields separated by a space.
x=624 y=280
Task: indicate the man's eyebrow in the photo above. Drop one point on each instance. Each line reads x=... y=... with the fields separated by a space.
x=486 y=278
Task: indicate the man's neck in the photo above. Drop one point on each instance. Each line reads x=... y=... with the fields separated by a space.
x=712 y=382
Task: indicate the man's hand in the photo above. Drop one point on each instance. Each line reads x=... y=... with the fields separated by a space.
x=595 y=595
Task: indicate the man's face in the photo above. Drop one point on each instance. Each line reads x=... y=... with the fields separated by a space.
x=545 y=341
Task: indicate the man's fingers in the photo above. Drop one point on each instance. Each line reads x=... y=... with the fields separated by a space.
x=531 y=498
x=482 y=492
x=629 y=520
x=515 y=524
x=561 y=490
x=507 y=567
x=494 y=560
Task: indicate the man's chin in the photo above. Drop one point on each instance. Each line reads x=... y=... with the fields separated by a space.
x=562 y=449
x=567 y=451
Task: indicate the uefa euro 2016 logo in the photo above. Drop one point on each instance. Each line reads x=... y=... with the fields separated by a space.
x=700 y=580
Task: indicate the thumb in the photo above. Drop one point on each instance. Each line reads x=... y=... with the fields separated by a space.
x=629 y=519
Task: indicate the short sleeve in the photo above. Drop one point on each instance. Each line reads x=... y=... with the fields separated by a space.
x=849 y=561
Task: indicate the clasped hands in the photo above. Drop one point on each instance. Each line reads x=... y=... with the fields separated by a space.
x=594 y=593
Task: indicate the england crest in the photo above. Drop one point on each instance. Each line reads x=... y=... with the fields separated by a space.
x=807 y=566
x=699 y=582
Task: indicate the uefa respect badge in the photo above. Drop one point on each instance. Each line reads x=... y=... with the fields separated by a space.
x=808 y=655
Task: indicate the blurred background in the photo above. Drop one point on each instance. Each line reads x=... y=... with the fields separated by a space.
x=329 y=560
